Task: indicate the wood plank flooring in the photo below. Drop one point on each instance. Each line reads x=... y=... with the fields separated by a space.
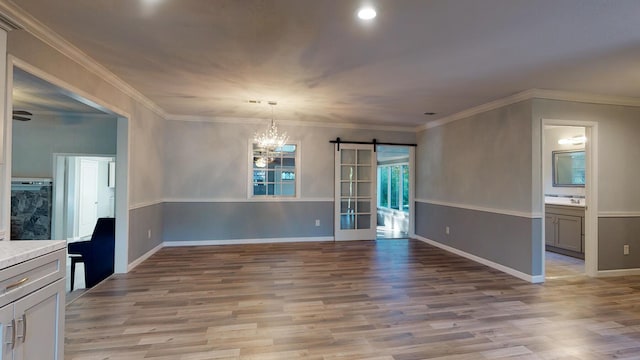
x=561 y=266
x=377 y=300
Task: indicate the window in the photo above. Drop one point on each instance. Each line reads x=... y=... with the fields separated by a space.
x=274 y=173
x=393 y=191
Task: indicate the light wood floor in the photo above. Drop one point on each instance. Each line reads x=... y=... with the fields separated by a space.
x=384 y=300
x=561 y=266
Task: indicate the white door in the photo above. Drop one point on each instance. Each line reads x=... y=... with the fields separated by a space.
x=87 y=196
x=355 y=192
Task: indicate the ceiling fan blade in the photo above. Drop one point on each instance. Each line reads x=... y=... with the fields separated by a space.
x=21 y=118
x=21 y=112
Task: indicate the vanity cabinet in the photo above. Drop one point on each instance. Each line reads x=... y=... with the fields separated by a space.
x=564 y=229
x=32 y=308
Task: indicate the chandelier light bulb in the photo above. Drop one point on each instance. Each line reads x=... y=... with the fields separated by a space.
x=271 y=139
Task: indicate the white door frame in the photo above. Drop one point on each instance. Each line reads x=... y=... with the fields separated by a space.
x=591 y=191
x=123 y=145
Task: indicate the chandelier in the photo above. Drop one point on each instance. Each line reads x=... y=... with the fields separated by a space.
x=271 y=138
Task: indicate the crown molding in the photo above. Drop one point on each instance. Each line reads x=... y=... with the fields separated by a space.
x=254 y=121
x=585 y=97
x=49 y=37
x=492 y=105
x=533 y=94
x=8 y=24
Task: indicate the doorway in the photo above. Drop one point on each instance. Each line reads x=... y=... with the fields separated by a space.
x=569 y=199
x=57 y=110
x=393 y=192
x=84 y=191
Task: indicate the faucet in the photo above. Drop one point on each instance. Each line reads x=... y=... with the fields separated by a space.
x=575 y=201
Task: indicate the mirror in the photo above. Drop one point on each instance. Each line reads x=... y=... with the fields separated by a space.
x=568 y=168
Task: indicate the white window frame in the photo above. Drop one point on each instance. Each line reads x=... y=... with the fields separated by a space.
x=298 y=172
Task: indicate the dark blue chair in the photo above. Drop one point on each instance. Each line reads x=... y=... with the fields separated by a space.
x=97 y=254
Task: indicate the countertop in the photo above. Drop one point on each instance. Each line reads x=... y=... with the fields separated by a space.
x=564 y=201
x=17 y=251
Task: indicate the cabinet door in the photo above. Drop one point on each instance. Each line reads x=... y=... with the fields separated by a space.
x=6 y=330
x=569 y=232
x=39 y=324
x=549 y=230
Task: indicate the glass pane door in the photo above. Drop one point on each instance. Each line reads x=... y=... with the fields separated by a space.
x=355 y=193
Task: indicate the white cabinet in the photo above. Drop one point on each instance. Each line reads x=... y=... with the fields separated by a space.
x=32 y=313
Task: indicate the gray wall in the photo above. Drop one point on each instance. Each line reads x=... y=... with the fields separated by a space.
x=146 y=128
x=142 y=220
x=618 y=174
x=35 y=141
x=206 y=181
x=483 y=161
x=210 y=160
x=503 y=239
x=194 y=221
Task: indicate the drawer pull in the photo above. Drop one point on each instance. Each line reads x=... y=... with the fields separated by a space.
x=16 y=284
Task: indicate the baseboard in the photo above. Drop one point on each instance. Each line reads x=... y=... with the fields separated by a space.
x=247 y=241
x=483 y=261
x=144 y=257
x=618 y=272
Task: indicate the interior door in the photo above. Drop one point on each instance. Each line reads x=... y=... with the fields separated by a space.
x=355 y=192
x=88 y=196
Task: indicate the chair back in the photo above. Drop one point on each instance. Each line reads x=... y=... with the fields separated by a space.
x=105 y=230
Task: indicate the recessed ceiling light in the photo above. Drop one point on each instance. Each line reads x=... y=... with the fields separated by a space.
x=429 y=113
x=367 y=13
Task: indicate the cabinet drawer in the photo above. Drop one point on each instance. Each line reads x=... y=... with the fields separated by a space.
x=21 y=279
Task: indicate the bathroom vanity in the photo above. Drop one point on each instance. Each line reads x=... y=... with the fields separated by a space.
x=564 y=227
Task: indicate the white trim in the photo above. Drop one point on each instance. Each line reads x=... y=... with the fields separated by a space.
x=618 y=214
x=245 y=200
x=85 y=115
x=483 y=261
x=92 y=100
x=247 y=241
x=528 y=215
x=258 y=121
x=57 y=42
x=412 y=191
x=144 y=257
x=618 y=272
x=532 y=94
x=145 y=204
x=585 y=97
x=496 y=104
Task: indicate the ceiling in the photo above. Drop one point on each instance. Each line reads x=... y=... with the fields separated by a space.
x=320 y=63
x=35 y=95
